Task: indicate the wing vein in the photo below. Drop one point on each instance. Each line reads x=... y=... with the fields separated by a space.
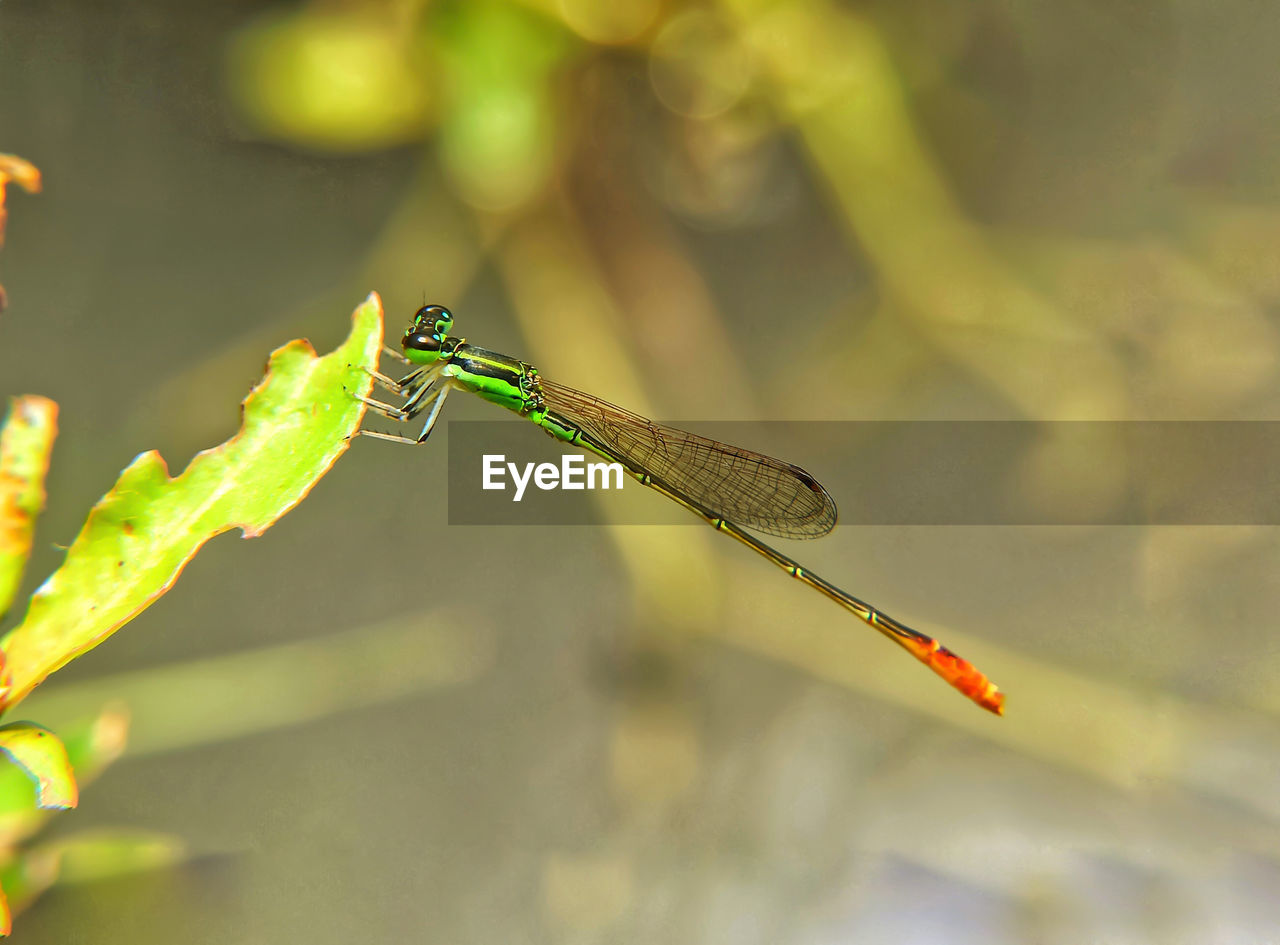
x=740 y=485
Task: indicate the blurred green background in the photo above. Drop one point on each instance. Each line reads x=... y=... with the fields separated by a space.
x=369 y=726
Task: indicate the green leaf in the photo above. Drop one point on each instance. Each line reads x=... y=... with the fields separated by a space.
x=86 y=857
x=40 y=753
x=297 y=422
x=92 y=744
x=25 y=443
x=92 y=856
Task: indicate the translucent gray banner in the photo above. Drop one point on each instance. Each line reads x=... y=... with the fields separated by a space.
x=914 y=472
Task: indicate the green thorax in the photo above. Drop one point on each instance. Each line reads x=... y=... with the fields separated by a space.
x=498 y=378
x=508 y=382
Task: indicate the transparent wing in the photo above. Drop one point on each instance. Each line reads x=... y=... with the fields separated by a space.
x=746 y=488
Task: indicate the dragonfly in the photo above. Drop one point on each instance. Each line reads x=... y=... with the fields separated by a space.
x=730 y=488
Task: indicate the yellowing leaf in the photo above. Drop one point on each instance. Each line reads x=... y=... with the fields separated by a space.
x=139 y=536
x=25 y=175
x=25 y=443
x=39 y=753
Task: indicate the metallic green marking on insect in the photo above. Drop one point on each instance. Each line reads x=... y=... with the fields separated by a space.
x=730 y=488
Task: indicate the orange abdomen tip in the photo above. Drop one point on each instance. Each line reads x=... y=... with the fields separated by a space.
x=962 y=674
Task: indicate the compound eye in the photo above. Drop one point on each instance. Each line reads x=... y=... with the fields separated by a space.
x=435 y=318
x=420 y=341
